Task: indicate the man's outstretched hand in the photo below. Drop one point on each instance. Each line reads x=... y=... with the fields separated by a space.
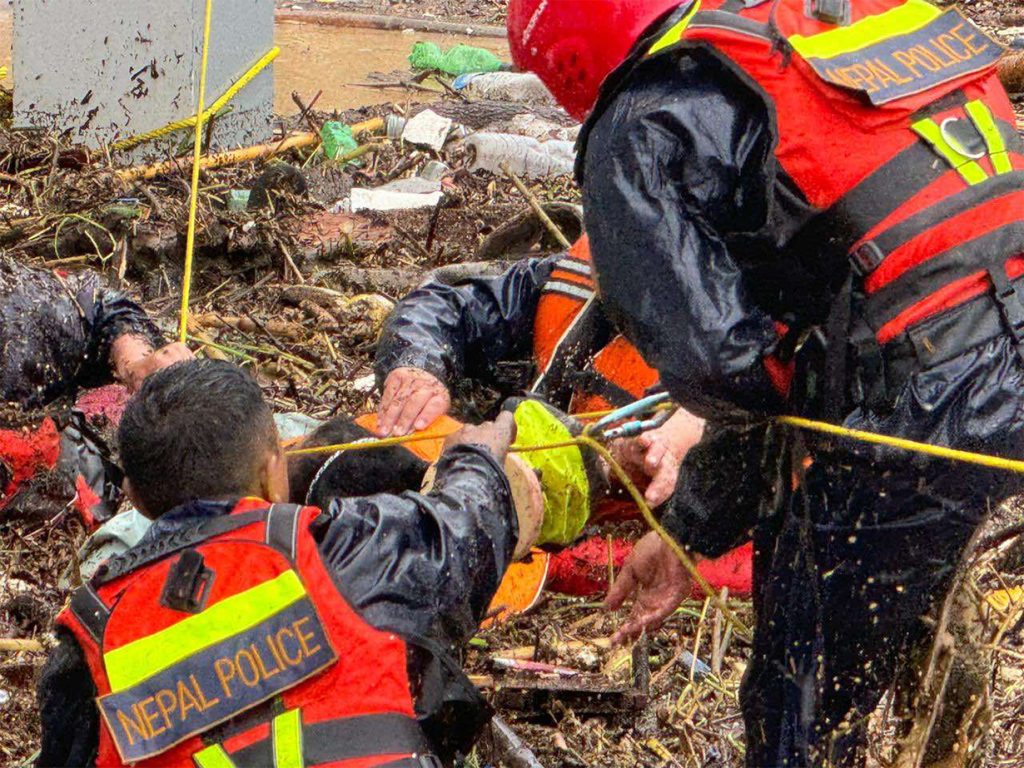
x=657 y=583
x=494 y=436
x=412 y=400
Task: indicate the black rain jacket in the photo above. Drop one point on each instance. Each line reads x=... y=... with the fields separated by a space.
x=56 y=332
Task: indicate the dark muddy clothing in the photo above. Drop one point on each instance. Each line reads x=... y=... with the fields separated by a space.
x=56 y=333
x=422 y=566
x=465 y=330
x=689 y=217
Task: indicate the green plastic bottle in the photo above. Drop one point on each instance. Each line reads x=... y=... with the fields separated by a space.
x=460 y=60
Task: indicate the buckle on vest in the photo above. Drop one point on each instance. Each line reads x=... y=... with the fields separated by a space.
x=867 y=258
x=188 y=584
x=829 y=11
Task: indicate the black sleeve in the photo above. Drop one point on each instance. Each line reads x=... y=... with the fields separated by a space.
x=425 y=565
x=678 y=161
x=464 y=330
x=723 y=486
x=67 y=708
x=56 y=333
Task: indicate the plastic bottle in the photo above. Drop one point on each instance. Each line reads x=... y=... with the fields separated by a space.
x=518 y=87
x=524 y=156
x=459 y=60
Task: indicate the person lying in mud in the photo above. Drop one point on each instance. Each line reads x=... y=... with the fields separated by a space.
x=59 y=334
x=560 y=494
x=538 y=327
x=243 y=630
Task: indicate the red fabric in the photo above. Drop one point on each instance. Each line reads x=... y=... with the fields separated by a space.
x=582 y=570
x=85 y=500
x=951 y=232
x=26 y=452
x=573 y=45
x=368 y=677
x=952 y=295
x=106 y=402
x=781 y=374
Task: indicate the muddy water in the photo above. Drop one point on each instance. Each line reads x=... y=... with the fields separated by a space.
x=315 y=57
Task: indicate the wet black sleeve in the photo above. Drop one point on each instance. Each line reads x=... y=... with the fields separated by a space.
x=67 y=707
x=723 y=487
x=425 y=565
x=56 y=333
x=675 y=164
x=464 y=330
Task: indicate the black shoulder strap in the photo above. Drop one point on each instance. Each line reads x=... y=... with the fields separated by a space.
x=283 y=528
x=140 y=556
x=90 y=611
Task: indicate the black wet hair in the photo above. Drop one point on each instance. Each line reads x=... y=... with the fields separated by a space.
x=199 y=429
x=316 y=479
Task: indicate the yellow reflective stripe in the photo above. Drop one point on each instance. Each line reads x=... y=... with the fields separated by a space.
x=133 y=663
x=985 y=122
x=903 y=19
x=213 y=756
x=965 y=166
x=675 y=34
x=287 y=740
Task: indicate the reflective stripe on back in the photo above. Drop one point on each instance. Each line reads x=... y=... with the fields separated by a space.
x=154 y=653
x=286 y=737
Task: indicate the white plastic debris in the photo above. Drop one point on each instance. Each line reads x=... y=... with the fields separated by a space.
x=524 y=156
x=427 y=129
x=521 y=88
x=401 y=195
x=364 y=383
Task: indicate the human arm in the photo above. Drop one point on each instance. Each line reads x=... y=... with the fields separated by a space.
x=440 y=333
x=427 y=565
x=679 y=161
x=67 y=708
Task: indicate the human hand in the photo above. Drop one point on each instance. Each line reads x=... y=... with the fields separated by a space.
x=494 y=436
x=134 y=359
x=655 y=580
x=663 y=451
x=412 y=400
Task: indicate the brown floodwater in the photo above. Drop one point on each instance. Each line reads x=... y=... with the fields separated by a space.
x=316 y=57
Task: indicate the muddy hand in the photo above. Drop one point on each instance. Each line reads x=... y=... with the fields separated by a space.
x=664 y=449
x=412 y=400
x=494 y=436
x=657 y=583
x=134 y=359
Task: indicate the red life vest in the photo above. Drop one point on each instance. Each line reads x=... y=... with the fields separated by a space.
x=895 y=130
x=567 y=328
x=230 y=646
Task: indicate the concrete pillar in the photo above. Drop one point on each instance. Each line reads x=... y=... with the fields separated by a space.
x=101 y=70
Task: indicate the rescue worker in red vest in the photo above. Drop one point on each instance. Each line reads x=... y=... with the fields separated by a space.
x=242 y=631
x=835 y=185
x=540 y=327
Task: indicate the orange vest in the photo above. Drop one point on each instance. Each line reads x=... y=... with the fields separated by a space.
x=230 y=645
x=566 y=325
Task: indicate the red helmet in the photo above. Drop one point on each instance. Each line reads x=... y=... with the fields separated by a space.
x=573 y=45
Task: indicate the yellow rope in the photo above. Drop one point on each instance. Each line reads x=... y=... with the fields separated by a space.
x=190 y=242
x=584 y=440
x=216 y=107
x=967 y=457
